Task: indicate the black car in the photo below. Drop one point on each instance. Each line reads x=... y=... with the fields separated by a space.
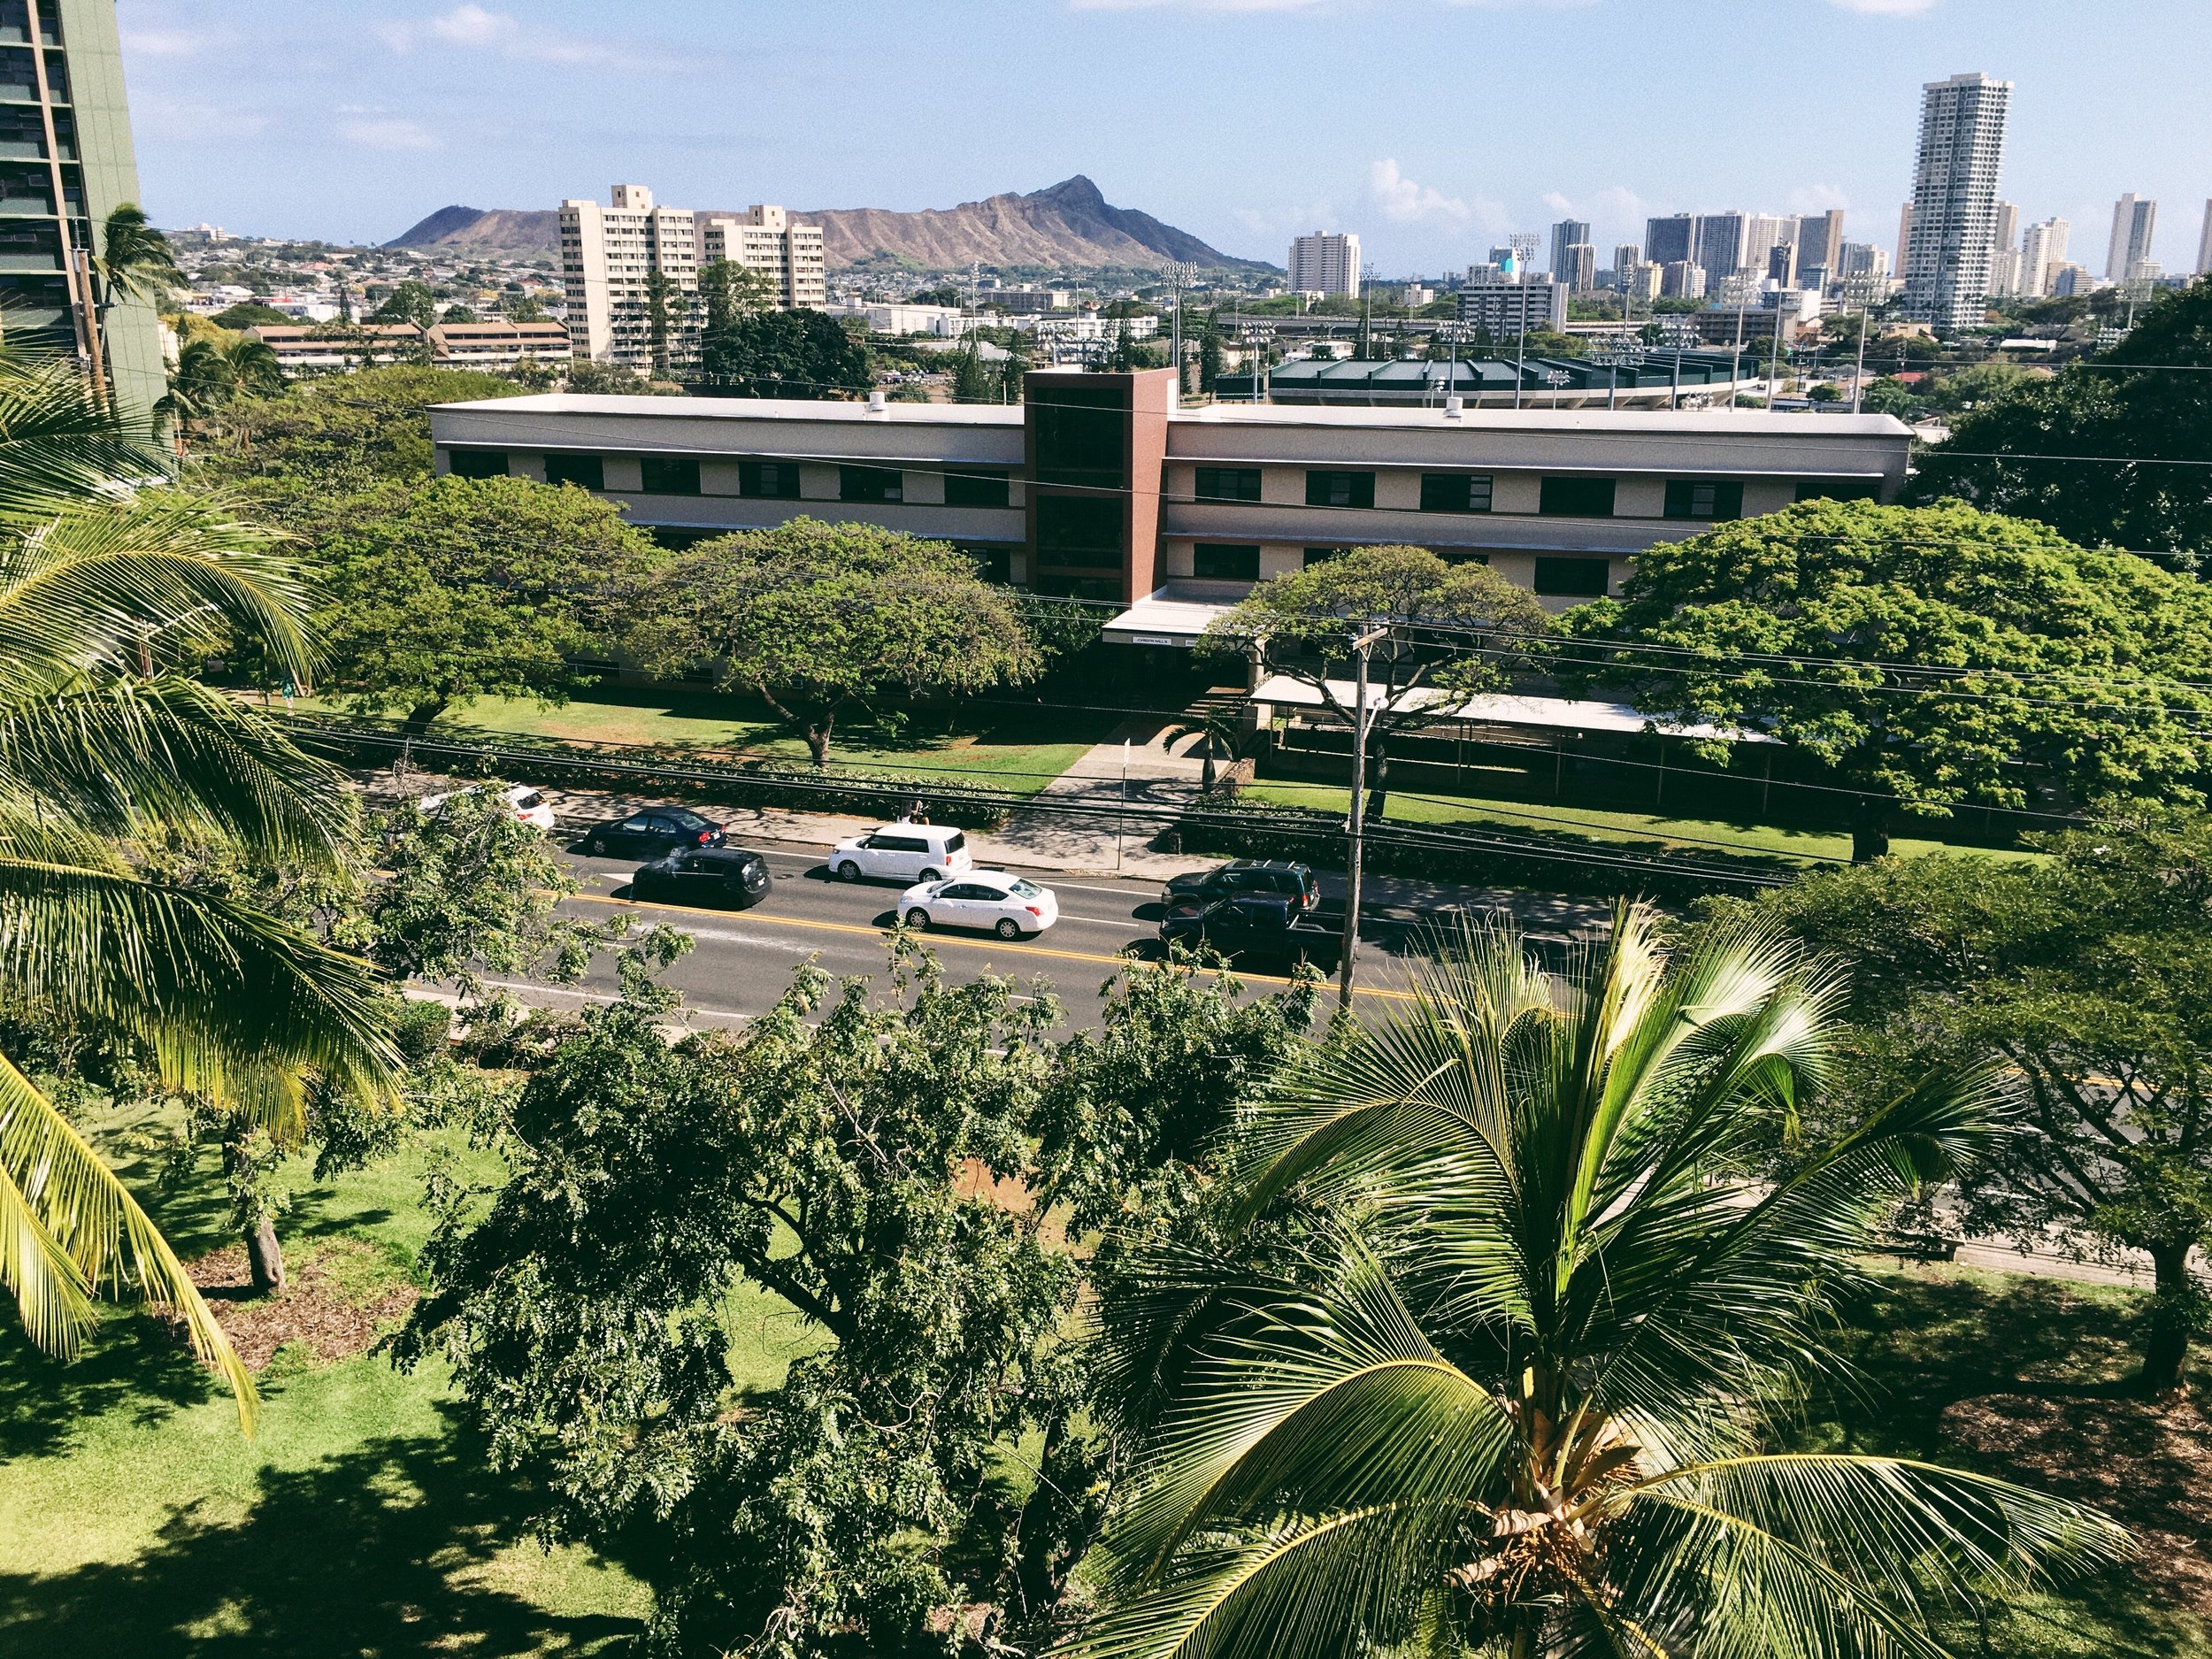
x=652 y=832
x=1277 y=877
x=724 y=876
x=1253 y=930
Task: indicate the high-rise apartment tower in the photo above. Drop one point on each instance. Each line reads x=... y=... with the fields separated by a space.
x=2133 y=219
x=1325 y=263
x=65 y=164
x=2004 y=251
x=2204 y=244
x=765 y=240
x=1955 y=199
x=1564 y=235
x=2042 y=250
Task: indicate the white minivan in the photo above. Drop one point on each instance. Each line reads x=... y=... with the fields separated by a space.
x=901 y=852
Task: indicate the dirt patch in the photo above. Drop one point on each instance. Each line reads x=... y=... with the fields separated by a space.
x=339 y=1298
x=2147 y=1464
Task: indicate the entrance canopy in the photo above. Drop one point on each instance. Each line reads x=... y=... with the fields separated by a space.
x=1551 y=714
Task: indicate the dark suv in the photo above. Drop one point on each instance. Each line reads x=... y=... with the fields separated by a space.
x=1277 y=878
x=652 y=832
x=723 y=877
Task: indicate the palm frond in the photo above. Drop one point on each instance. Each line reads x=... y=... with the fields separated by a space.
x=61 y=445
x=51 y=1298
x=88 y=1218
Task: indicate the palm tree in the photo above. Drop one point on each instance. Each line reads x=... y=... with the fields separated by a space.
x=212 y=373
x=1224 y=735
x=134 y=261
x=1510 y=1389
x=111 y=589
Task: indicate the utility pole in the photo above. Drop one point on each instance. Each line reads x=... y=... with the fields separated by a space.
x=1355 y=825
x=1858 y=374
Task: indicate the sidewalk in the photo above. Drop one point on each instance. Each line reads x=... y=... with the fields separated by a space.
x=1107 y=805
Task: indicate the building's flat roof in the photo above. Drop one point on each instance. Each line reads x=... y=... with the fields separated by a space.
x=1715 y=422
x=1555 y=714
x=743 y=408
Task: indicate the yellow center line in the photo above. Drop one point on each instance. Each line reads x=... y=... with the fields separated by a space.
x=870 y=930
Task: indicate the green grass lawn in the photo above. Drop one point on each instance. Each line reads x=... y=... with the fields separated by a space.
x=1689 y=835
x=1011 y=749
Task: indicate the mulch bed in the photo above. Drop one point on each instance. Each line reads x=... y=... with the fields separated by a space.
x=316 y=1309
x=2147 y=1464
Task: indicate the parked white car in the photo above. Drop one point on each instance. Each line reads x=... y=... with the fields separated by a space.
x=529 y=805
x=995 y=901
x=901 y=852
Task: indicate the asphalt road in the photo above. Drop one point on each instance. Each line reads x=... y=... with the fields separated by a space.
x=743 y=959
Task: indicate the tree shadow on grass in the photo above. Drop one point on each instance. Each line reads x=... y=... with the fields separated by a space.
x=386 y=1548
x=131 y=1365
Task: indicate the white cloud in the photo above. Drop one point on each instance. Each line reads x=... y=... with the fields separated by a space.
x=387 y=134
x=1886 y=8
x=189 y=121
x=1401 y=199
x=471 y=28
x=164 y=42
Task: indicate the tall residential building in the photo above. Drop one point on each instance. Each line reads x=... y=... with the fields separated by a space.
x=1955 y=199
x=1720 y=245
x=2004 y=251
x=2132 y=222
x=2042 y=250
x=1564 y=235
x=790 y=256
x=1680 y=280
x=65 y=164
x=613 y=260
x=1820 y=240
x=1904 y=235
x=1671 y=240
x=1577 y=267
x=1325 y=263
x=2204 y=243
x=1627 y=256
x=1763 y=234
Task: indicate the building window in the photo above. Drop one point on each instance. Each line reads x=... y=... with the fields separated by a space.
x=477 y=463
x=1079 y=532
x=1571 y=578
x=976 y=489
x=774 y=481
x=1839 y=490
x=1455 y=492
x=1225 y=562
x=1339 y=489
x=1228 y=483
x=1080 y=435
x=1576 y=497
x=994 y=561
x=870 y=483
x=1703 y=498
x=669 y=474
x=1322 y=555
x=586 y=471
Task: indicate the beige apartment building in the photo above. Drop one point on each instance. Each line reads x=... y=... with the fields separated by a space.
x=610 y=255
x=1098 y=487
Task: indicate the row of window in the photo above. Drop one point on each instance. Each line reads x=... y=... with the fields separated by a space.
x=1563 y=576
x=1573 y=497
x=771 y=480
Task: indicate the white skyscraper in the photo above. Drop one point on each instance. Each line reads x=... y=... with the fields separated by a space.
x=1565 y=234
x=1325 y=263
x=1955 y=199
x=2133 y=219
x=2042 y=250
x=2204 y=244
x=610 y=257
x=766 y=241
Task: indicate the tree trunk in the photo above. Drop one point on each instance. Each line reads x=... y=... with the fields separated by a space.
x=264 y=1258
x=1206 y=780
x=2175 y=1311
x=1377 y=776
x=423 y=713
x=1870 y=830
x=817 y=740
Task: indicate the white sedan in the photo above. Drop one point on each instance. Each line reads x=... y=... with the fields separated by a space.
x=1005 y=905
x=531 y=807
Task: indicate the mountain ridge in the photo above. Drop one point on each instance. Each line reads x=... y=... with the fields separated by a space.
x=1068 y=226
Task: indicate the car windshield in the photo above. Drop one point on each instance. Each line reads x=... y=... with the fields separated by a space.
x=1025 y=889
x=529 y=798
x=686 y=820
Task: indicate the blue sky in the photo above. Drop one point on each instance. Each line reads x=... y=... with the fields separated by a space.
x=1430 y=126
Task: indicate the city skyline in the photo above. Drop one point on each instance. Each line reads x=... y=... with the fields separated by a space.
x=381 y=113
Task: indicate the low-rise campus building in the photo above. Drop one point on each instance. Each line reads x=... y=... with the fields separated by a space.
x=1096 y=487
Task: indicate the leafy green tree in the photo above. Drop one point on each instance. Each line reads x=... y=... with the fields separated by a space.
x=1417 y=608
x=2086 y=973
x=411 y=301
x=335 y=435
x=112 y=596
x=451 y=588
x=458 y=314
x=1927 y=658
x=2087 y=451
x=247 y=313
x=607 y=380
x=732 y=292
x=782 y=354
x=1888 y=396
x=523 y=308
x=1481 y=1352
x=971 y=382
x=816 y=617
x=1209 y=362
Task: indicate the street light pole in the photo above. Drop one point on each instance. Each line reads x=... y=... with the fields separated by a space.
x=1355 y=826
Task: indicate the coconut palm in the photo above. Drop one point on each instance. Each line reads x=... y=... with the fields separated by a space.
x=134 y=260
x=1514 y=1388
x=212 y=373
x=1222 y=735
x=112 y=588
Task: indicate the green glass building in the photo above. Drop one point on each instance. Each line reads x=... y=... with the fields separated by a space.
x=65 y=163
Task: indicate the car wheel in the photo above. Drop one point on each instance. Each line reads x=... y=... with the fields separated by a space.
x=596 y=847
x=1008 y=928
x=849 y=872
x=919 y=920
